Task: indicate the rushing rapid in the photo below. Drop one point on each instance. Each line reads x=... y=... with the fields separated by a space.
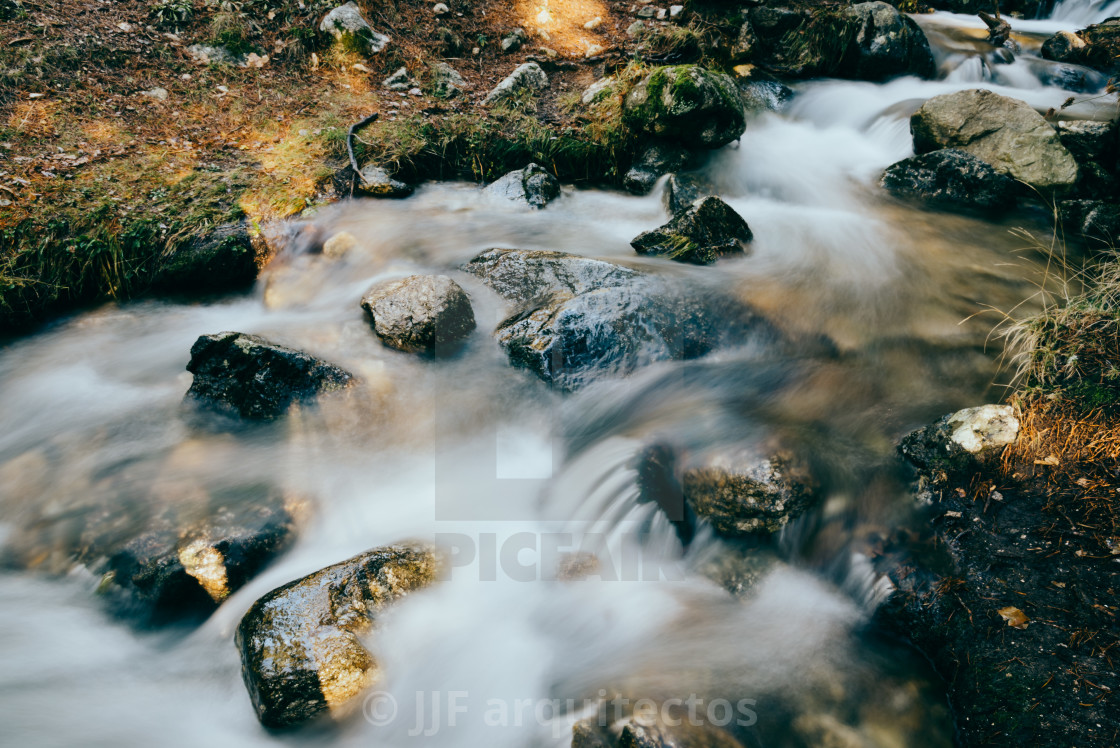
x=482 y=456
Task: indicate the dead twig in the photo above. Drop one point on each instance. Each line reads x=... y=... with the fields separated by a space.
x=350 y=134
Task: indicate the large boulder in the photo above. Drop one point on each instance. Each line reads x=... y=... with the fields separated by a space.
x=701 y=234
x=526 y=77
x=697 y=107
x=346 y=22
x=300 y=645
x=962 y=440
x=952 y=180
x=580 y=319
x=1006 y=133
x=533 y=186
x=885 y=43
x=420 y=313
x=244 y=375
x=222 y=260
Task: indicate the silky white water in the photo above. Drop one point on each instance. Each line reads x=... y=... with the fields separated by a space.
x=471 y=451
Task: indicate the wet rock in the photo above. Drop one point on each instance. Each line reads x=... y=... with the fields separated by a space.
x=373 y=181
x=420 y=313
x=1006 y=133
x=658 y=160
x=1097 y=46
x=525 y=276
x=683 y=190
x=760 y=91
x=347 y=21
x=1064 y=46
x=172 y=573
x=953 y=180
x=1094 y=146
x=886 y=43
x=526 y=77
x=1095 y=221
x=960 y=441
x=243 y=375
x=300 y=645
x=738 y=565
x=697 y=107
x=400 y=80
x=222 y=260
x=446 y=81
x=743 y=494
x=532 y=186
x=704 y=232
x=581 y=319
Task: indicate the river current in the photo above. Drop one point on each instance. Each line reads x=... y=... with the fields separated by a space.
x=486 y=458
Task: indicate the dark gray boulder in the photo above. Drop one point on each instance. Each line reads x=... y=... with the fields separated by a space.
x=1097 y=222
x=533 y=186
x=244 y=375
x=703 y=233
x=300 y=645
x=1094 y=146
x=174 y=572
x=655 y=162
x=581 y=319
x=222 y=260
x=420 y=313
x=952 y=180
x=885 y=44
x=682 y=190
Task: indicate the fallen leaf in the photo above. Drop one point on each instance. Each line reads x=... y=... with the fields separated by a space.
x=1048 y=460
x=1015 y=618
x=21 y=40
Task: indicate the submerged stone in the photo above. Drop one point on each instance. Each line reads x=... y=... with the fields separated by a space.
x=247 y=376
x=300 y=645
x=655 y=162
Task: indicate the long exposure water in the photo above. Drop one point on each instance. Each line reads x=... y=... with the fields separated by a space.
x=474 y=449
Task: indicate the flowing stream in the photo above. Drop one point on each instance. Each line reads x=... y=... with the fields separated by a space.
x=473 y=450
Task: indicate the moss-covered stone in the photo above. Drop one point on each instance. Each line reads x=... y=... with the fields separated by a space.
x=697 y=107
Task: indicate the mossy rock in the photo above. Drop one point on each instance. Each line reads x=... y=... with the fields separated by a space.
x=698 y=107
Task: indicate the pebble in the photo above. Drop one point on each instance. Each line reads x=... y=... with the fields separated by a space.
x=675 y=10
x=593 y=24
x=440 y=9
